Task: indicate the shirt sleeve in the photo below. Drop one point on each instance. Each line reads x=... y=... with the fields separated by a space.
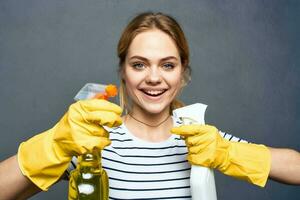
x=232 y=138
x=72 y=166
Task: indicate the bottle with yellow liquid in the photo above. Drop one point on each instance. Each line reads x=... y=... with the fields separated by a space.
x=89 y=180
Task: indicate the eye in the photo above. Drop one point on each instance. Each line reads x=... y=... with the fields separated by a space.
x=138 y=65
x=168 y=66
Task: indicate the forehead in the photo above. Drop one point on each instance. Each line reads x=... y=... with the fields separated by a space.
x=153 y=44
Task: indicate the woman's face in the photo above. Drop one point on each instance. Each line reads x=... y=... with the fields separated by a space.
x=152 y=71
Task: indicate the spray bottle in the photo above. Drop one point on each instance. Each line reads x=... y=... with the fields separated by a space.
x=89 y=181
x=202 y=179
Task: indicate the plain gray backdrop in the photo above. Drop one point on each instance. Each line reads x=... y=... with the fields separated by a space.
x=244 y=55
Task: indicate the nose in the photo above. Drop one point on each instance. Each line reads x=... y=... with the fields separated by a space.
x=154 y=76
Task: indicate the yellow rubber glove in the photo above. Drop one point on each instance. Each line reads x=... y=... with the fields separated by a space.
x=45 y=157
x=206 y=147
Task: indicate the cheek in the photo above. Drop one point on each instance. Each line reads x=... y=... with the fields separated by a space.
x=131 y=81
x=175 y=81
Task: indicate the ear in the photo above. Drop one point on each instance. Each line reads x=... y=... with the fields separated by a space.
x=122 y=74
x=186 y=76
x=182 y=82
x=183 y=77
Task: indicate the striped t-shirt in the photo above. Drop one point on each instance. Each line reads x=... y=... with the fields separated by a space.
x=138 y=169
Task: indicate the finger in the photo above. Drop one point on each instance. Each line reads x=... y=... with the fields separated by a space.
x=92 y=127
x=90 y=143
x=103 y=142
x=97 y=130
x=198 y=149
x=201 y=138
x=185 y=130
x=200 y=160
x=99 y=104
x=104 y=118
x=196 y=140
x=194 y=129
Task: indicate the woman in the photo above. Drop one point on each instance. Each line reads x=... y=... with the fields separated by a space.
x=144 y=159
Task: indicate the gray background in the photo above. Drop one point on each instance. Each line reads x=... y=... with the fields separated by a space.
x=244 y=55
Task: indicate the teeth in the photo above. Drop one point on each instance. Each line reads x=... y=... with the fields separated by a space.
x=154 y=92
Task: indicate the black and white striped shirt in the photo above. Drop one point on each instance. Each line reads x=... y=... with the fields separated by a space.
x=138 y=169
x=145 y=170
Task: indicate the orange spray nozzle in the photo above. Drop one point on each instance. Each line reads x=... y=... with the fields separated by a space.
x=110 y=91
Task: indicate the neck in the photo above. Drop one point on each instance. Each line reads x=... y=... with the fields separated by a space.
x=152 y=127
x=153 y=120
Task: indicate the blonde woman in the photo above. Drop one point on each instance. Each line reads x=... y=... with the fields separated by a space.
x=144 y=160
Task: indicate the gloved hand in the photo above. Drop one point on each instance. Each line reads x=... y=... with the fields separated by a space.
x=207 y=148
x=45 y=157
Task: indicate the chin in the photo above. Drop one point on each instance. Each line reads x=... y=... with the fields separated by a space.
x=155 y=108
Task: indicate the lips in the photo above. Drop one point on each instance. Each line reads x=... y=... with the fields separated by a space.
x=153 y=93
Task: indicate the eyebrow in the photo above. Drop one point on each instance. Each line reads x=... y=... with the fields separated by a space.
x=145 y=59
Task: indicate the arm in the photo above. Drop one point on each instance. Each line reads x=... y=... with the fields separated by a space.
x=42 y=160
x=247 y=161
x=13 y=185
x=285 y=166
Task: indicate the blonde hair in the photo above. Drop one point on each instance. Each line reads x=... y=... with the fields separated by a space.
x=144 y=22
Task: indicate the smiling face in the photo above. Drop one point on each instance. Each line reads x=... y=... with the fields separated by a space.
x=152 y=72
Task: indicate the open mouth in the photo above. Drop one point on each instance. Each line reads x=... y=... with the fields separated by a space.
x=154 y=93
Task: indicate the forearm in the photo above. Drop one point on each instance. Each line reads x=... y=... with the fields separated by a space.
x=13 y=185
x=285 y=166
